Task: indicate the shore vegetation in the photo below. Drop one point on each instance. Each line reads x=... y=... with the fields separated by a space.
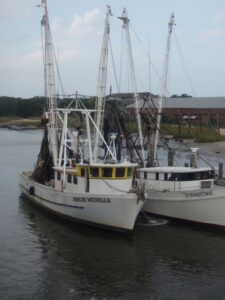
x=27 y=112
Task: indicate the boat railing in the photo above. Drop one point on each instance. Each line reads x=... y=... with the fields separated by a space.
x=201 y=184
x=70 y=162
x=179 y=186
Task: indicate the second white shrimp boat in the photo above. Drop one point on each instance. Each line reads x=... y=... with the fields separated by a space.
x=184 y=193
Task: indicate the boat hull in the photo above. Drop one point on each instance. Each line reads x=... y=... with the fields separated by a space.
x=117 y=211
x=201 y=206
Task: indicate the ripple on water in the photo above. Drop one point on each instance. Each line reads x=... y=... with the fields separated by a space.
x=42 y=257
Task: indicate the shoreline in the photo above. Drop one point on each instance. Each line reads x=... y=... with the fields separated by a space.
x=33 y=124
x=205 y=148
x=21 y=124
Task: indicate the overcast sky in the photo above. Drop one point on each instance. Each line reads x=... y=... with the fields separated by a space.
x=198 y=68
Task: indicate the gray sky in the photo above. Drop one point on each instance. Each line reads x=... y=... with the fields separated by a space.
x=77 y=28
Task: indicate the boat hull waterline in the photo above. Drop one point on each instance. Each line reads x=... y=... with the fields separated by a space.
x=116 y=211
x=207 y=207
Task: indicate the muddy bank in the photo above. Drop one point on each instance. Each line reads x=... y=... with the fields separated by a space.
x=215 y=147
x=21 y=124
x=30 y=124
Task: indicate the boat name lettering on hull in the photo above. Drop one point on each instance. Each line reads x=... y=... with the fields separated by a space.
x=91 y=199
x=199 y=194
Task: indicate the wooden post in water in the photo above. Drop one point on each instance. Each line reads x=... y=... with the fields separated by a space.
x=179 y=128
x=193 y=161
x=217 y=122
x=189 y=127
x=170 y=157
x=152 y=162
x=150 y=144
x=200 y=123
x=220 y=170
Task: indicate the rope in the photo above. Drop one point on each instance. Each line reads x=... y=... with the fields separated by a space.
x=136 y=191
x=203 y=159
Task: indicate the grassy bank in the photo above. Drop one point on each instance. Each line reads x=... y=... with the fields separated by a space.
x=16 y=121
x=4 y=119
x=205 y=135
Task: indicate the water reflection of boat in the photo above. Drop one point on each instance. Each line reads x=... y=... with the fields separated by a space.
x=68 y=182
x=86 y=262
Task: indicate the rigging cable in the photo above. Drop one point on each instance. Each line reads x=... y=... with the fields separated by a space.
x=184 y=65
x=146 y=53
x=42 y=45
x=113 y=63
x=191 y=86
x=186 y=73
x=121 y=61
x=185 y=68
x=57 y=68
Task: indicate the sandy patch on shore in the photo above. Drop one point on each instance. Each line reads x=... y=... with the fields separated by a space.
x=216 y=147
x=22 y=122
x=222 y=131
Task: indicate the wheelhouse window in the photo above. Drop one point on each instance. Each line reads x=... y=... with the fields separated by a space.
x=106 y=172
x=129 y=172
x=145 y=175
x=75 y=179
x=82 y=172
x=69 y=178
x=58 y=176
x=197 y=176
x=120 y=172
x=165 y=176
x=174 y=177
x=94 y=172
x=191 y=176
x=157 y=176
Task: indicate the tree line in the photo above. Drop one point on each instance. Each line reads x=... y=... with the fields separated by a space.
x=33 y=107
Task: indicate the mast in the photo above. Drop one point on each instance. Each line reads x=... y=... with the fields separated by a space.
x=164 y=81
x=101 y=90
x=126 y=21
x=49 y=77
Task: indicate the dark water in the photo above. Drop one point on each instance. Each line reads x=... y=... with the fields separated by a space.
x=44 y=258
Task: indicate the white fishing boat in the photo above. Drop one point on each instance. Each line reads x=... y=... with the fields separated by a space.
x=184 y=193
x=69 y=180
